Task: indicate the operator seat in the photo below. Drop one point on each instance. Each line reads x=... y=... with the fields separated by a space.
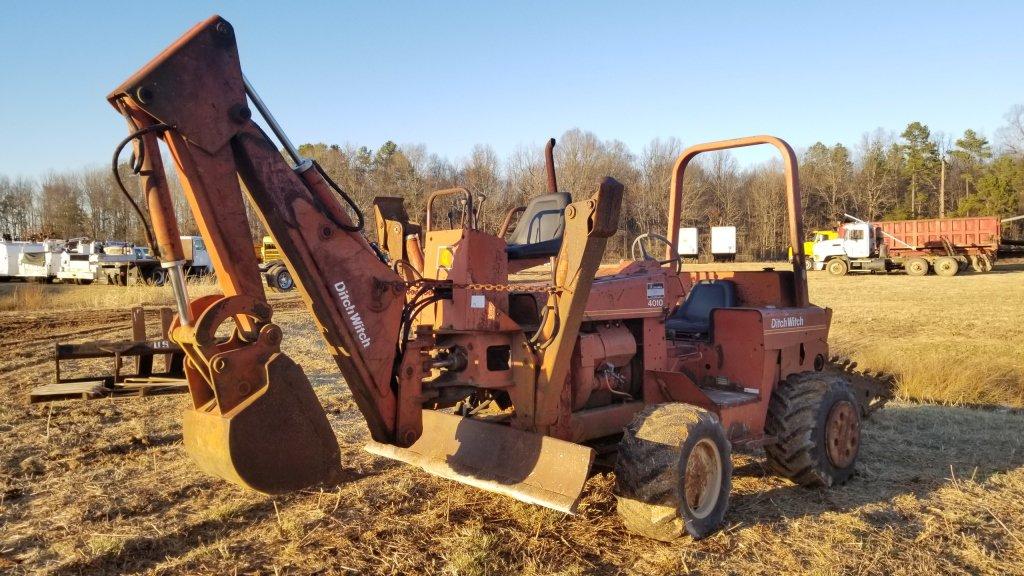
x=693 y=319
x=539 y=231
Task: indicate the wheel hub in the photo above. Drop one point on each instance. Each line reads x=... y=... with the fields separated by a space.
x=842 y=434
x=703 y=478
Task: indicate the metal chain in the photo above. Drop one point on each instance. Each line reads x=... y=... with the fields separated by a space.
x=477 y=287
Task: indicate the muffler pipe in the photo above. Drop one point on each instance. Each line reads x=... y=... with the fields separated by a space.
x=549 y=161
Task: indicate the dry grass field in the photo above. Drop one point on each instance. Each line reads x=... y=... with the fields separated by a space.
x=104 y=487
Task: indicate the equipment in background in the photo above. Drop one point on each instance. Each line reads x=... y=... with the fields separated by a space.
x=945 y=246
x=148 y=353
x=689 y=244
x=272 y=266
x=816 y=236
x=723 y=243
x=37 y=261
x=509 y=387
x=84 y=261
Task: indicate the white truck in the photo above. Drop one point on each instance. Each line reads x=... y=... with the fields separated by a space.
x=38 y=261
x=123 y=264
x=82 y=261
x=76 y=265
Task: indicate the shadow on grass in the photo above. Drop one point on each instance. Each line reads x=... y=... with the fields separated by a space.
x=906 y=449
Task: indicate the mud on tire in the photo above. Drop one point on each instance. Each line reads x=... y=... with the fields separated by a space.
x=651 y=472
x=816 y=419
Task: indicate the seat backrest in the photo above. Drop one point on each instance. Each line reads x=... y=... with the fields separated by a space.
x=704 y=297
x=543 y=220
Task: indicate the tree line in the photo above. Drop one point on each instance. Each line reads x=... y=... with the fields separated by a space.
x=916 y=173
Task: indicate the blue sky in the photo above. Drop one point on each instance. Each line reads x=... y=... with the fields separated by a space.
x=451 y=75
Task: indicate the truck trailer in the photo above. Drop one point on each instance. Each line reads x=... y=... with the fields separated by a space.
x=945 y=246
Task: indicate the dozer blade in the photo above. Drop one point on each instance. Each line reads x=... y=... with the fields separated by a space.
x=527 y=466
x=277 y=440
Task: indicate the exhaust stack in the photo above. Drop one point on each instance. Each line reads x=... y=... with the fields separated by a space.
x=549 y=160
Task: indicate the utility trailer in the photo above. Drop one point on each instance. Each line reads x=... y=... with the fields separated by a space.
x=723 y=243
x=945 y=246
x=39 y=261
x=123 y=263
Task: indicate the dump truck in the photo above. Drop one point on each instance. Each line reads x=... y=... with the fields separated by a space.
x=945 y=246
x=455 y=367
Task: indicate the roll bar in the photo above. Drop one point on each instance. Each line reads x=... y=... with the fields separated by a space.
x=796 y=226
x=468 y=215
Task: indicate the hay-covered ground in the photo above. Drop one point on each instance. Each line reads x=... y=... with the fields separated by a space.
x=104 y=487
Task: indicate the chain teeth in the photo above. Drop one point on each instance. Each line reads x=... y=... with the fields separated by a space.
x=874 y=389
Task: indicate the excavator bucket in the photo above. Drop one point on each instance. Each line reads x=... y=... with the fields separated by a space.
x=529 y=467
x=276 y=440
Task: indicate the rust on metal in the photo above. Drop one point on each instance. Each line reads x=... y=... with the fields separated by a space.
x=145 y=380
x=527 y=466
x=467 y=219
x=795 y=211
x=842 y=434
x=549 y=165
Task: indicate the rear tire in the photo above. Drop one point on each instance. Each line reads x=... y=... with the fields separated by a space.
x=673 y=472
x=916 y=266
x=838 y=267
x=986 y=263
x=816 y=420
x=157 y=277
x=946 y=266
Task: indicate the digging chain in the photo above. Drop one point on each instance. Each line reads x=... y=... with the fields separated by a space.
x=872 y=390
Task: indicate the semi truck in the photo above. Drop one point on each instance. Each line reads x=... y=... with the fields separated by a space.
x=945 y=246
x=815 y=237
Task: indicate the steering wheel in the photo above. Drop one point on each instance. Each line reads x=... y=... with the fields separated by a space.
x=639 y=245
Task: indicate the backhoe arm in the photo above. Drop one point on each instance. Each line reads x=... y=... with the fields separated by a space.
x=250 y=402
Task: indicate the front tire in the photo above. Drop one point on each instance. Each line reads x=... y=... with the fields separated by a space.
x=917 y=266
x=816 y=420
x=838 y=267
x=673 y=473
